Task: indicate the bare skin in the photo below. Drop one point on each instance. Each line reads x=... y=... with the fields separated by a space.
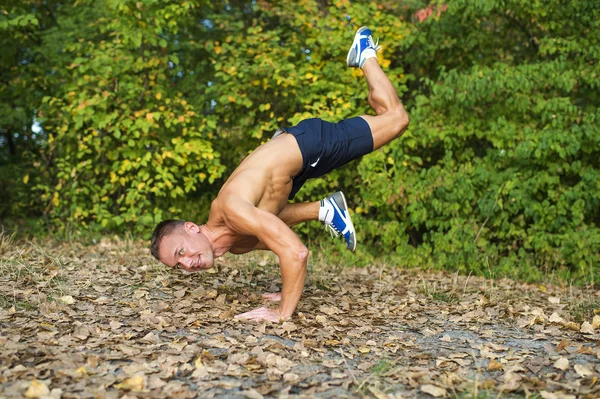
x=252 y=212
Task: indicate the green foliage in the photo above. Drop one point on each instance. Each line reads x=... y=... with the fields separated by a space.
x=147 y=106
x=499 y=167
x=123 y=144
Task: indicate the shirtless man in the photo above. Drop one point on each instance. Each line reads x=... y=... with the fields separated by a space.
x=252 y=211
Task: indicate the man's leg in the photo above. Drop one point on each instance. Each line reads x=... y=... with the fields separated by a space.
x=391 y=119
x=294 y=214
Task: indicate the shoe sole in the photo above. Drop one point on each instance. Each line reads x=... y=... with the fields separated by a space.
x=358 y=32
x=341 y=194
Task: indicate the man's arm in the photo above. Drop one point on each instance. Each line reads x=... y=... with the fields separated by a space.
x=246 y=219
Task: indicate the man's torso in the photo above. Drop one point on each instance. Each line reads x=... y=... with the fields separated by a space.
x=264 y=179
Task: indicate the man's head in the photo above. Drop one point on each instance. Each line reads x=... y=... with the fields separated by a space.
x=178 y=243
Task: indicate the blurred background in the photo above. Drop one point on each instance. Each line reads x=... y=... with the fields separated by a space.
x=117 y=114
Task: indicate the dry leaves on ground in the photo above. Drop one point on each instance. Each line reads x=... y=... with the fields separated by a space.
x=108 y=321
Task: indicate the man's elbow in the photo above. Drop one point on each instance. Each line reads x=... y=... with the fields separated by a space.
x=402 y=120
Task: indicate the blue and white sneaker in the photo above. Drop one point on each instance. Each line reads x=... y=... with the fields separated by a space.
x=362 y=41
x=341 y=222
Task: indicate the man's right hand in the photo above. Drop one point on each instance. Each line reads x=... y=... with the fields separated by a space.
x=272 y=296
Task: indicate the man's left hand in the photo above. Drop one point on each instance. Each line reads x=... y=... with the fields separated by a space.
x=260 y=314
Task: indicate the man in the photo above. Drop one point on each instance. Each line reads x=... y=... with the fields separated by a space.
x=252 y=211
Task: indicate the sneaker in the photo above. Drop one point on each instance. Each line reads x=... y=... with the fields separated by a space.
x=362 y=41
x=341 y=222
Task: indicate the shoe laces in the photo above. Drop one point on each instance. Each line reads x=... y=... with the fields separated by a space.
x=374 y=45
x=332 y=230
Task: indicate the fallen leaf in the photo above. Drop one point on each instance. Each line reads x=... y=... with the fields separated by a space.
x=446 y=338
x=564 y=344
x=37 y=389
x=494 y=365
x=582 y=370
x=571 y=325
x=586 y=328
x=433 y=390
x=132 y=384
x=596 y=322
x=555 y=318
x=252 y=394
x=67 y=299
x=562 y=363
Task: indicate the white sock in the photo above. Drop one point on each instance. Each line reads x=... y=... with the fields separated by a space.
x=366 y=54
x=326 y=212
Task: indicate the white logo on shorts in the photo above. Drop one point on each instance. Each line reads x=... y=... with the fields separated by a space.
x=316 y=162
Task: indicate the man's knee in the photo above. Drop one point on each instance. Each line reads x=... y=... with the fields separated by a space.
x=303 y=254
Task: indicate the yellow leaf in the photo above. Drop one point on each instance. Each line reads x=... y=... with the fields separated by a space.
x=158 y=96
x=67 y=299
x=198 y=362
x=37 y=389
x=218 y=49
x=267 y=106
x=55 y=200
x=231 y=99
x=81 y=372
x=309 y=75
x=150 y=116
x=141 y=185
x=132 y=384
x=25 y=179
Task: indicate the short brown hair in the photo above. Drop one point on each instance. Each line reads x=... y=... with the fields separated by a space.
x=163 y=229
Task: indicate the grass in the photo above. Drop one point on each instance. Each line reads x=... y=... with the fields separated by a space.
x=382 y=367
x=7 y=302
x=440 y=294
x=583 y=309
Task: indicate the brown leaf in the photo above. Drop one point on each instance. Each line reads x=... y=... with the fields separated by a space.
x=180 y=293
x=494 y=365
x=433 y=390
x=564 y=344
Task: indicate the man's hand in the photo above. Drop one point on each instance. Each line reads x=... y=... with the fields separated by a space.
x=260 y=314
x=272 y=296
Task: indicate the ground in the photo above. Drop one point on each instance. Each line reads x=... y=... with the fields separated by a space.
x=107 y=321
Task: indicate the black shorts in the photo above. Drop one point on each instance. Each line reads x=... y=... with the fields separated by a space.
x=326 y=146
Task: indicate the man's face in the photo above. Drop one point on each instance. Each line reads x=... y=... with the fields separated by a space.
x=187 y=248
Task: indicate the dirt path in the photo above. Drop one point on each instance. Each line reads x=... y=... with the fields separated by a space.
x=107 y=321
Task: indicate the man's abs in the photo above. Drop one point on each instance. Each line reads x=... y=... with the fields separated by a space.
x=265 y=177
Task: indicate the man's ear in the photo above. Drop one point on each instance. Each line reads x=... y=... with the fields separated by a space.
x=191 y=227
